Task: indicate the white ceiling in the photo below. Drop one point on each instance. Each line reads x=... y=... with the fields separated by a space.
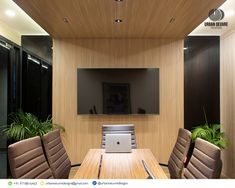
x=21 y=22
x=229 y=10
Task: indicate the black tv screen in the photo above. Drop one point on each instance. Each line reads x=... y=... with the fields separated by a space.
x=118 y=91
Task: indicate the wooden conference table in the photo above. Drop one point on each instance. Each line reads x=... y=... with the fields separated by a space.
x=119 y=165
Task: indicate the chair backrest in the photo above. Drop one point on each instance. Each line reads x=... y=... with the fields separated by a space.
x=56 y=155
x=119 y=129
x=27 y=160
x=205 y=162
x=179 y=154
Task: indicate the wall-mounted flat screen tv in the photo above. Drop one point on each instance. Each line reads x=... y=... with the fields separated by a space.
x=118 y=91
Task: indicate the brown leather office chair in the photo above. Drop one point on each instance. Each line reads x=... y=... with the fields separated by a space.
x=27 y=160
x=205 y=162
x=119 y=129
x=179 y=154
x=56 y=155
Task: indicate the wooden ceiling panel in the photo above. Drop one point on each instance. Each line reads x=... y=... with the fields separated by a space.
x=141 y=18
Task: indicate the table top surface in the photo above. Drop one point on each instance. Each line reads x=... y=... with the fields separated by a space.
x=119 y=165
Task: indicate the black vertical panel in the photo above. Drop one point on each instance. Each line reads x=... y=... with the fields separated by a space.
x=50 y=91
x=24 y=81
x=10 y=93
x=14 y=80
x=46 y=90
x=39 y=45
x=32 y=85
x=201 y=80
x=36 y=86
x=4 y=62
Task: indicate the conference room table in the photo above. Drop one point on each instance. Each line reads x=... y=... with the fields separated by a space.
x=100 y=165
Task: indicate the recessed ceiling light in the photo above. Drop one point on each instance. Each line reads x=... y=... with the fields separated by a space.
x=229 y=13
x=10 y=13
x=65 y=19
x=172 y=20
x=119 y=0
x=118 y=20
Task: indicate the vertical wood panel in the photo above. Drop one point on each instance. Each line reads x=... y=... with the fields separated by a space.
x=157 y=132
x=227 y=98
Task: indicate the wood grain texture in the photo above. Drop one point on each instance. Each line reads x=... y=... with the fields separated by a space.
x=141 y=18
x=83 y=132
x=227 y=100
x=119 y=165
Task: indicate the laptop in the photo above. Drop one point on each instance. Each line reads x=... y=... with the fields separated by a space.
x=118 y=143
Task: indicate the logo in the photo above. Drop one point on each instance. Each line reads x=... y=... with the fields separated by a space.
x=94 y=182
x=42 y=183
x=10 y=183
x=216 y=16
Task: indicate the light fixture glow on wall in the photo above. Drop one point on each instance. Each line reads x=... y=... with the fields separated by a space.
x=10 y=13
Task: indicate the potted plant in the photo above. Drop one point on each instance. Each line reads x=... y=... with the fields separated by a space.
x=210 y=133
x=25 y=125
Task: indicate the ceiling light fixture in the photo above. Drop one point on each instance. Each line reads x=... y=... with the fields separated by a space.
x=10 y=13
x=117 y=11
x=118 y=20
x=65 y=19
x=172 y=20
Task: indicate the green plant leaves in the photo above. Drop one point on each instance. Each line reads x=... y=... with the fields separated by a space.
x=210 y=133
x=26 y=125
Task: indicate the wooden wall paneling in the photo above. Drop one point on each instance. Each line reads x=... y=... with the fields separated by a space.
x=157 y=132
x=227 y=100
